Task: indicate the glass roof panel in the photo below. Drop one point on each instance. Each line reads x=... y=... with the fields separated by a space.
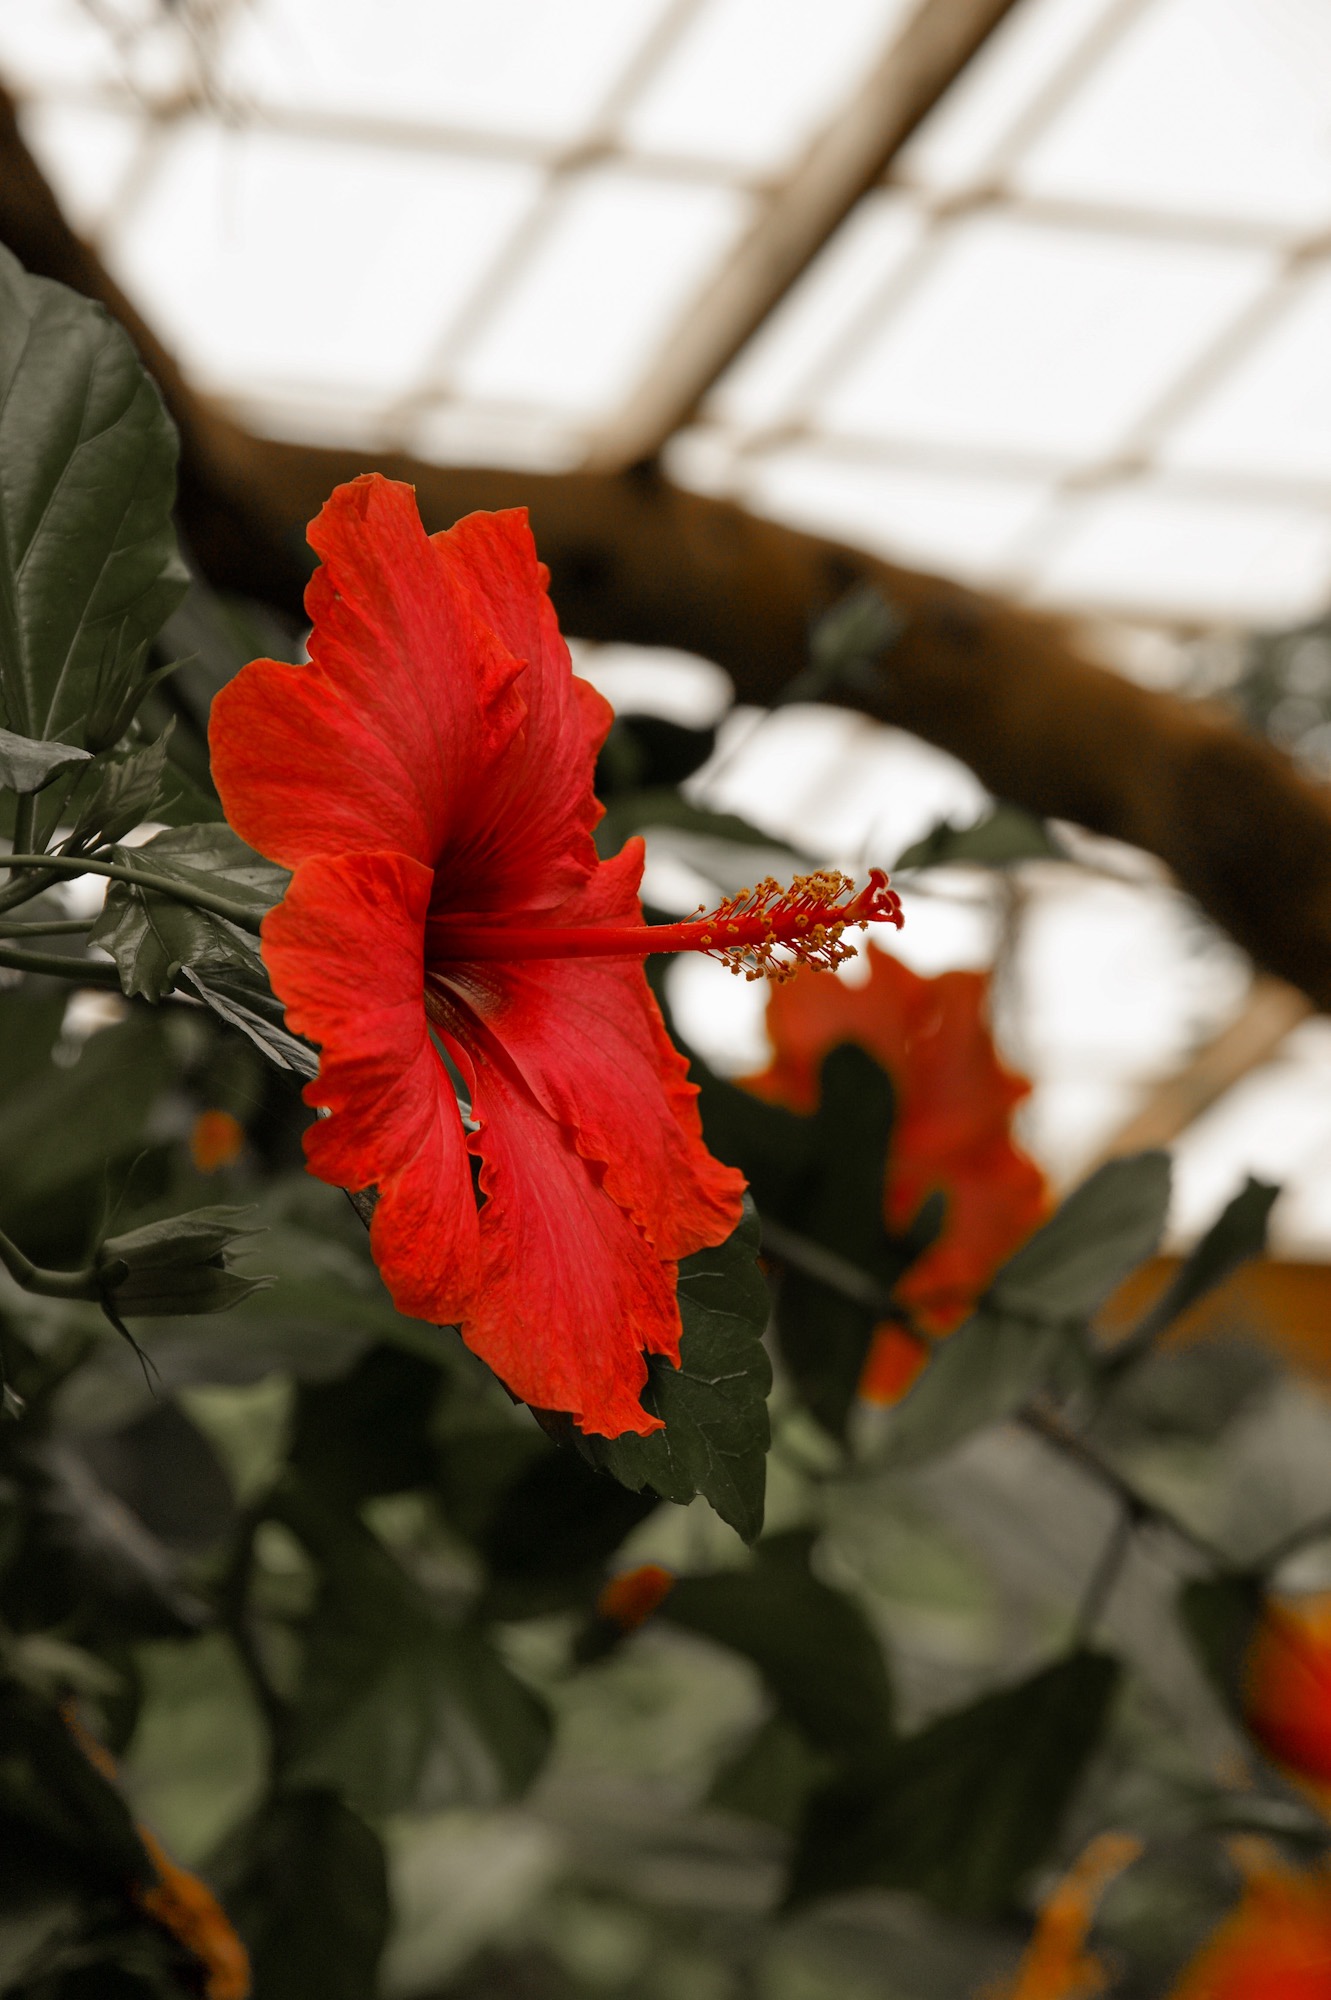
x=765 y=383
x=87 y=152
x=53 y=44
x=520 y=67
x=958 y=142
x=1144 y=548
x=749 y=82
x=622 y=257
x=910 y=514
x=270 y=262
x=1206 y=107
x=1030 y=337
x=1272 y=412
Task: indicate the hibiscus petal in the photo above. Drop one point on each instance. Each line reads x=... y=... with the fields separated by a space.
x=587 y=1037
x=571 y=1296
x=539 y=844
x=344 y=951
x=391 y=736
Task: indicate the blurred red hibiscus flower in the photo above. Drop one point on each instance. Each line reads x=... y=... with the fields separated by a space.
x=428 y=777
x=1287 y=1688
x=953 y=1129
x=1276 y=1945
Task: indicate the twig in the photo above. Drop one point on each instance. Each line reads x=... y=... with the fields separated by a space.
x=1042 y=1423
x=239 y=914
x=1105 y=1574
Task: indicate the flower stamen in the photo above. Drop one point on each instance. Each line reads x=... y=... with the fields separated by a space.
x=765 y=933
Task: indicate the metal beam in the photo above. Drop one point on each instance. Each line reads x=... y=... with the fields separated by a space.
x=931 y=51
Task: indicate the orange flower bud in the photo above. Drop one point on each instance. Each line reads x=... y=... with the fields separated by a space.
x=629 y=1600
x=1055 y=1965
x=215 y=1141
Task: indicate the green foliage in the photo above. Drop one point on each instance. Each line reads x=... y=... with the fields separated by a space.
x=1001 y=836
x=88 y=563
x=714 y=1405
x=335 y=1602
x=1219 y=1615
x=965 y=1810
x=312 y=1904
x=151 y=936
x=818 y=1183
x=812 y=1644
x=1029 y=1331
x=27 y=763
x=400 y=1706
x=1237 y=1235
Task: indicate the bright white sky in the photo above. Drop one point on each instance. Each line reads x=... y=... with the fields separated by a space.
x=1075 y=348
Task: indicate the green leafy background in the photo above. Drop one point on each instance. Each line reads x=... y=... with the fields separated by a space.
x=333 y=1602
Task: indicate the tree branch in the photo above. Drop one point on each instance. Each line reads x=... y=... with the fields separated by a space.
x=634 y=558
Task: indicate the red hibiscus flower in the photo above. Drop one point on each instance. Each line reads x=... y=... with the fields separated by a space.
x=952 y=1130
x=428 y=777
x=1275 y=1946
x=1287 y=1688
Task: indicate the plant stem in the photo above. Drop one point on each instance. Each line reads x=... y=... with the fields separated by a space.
x=1042 y=1423
x=140 y=878
x=85 y=1284
x=58 y=927
x=25 y=821
x=84 y=971
x=1105 y=1574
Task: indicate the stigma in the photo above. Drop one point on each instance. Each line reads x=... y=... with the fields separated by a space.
x=766 y=932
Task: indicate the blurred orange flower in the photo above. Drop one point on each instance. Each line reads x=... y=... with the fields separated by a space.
x=187 y=1907
x=1287 y=1687
x=953 y=1128
x=215 y=1141
x=1055 y=1965
x=1276 y=1945
x=177 y=1900
x=628 y=1600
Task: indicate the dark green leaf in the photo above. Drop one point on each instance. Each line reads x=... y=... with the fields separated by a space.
x=978 y=1375
x=1237 y=1234
x=662 y=809
x=400 y=1706
x=152 y=936
x=63 y=1127
x=825 y=1332
x=1030 y=1330
x=49 y=1787
x=244 y=999
x=88 y=563
x=773 y=1148
x=1104 y=1229
x=88 y=1562
x=552 y=1531
x=26 y=763
x=714 y=1405
x=770 y=1778
x=371 y=1431
x=118 y=792
x=313 y=1904
x=1001 y=836
x=1219 y=1615
x=964 y=1811
x=812 y=1644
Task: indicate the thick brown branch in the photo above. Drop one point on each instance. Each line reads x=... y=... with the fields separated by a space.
x=635 y=558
